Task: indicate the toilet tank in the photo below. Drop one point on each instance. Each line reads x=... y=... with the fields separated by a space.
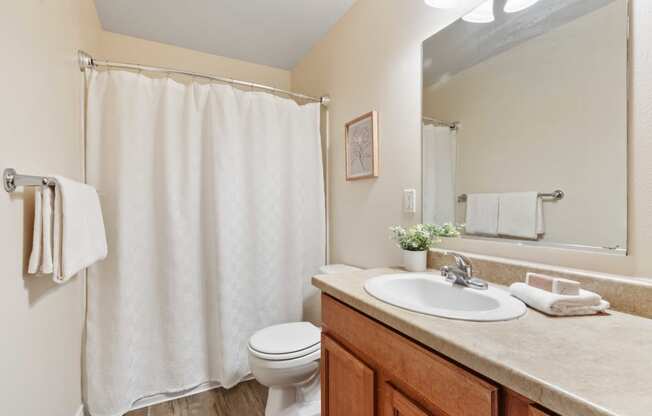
x=337 y=268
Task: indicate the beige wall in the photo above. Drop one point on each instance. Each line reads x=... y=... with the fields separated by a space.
x=540 y=117
x=40 y=134
x=371 y=59
x=121 y=48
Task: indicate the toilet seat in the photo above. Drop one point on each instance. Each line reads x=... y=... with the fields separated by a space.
x=263 y=363
x=284 y=357
x=286 y=341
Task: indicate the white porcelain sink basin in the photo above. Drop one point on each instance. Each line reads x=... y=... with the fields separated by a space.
x=431 y=294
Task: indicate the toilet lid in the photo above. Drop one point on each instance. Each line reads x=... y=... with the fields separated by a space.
x=338 y=268
x=286 y=341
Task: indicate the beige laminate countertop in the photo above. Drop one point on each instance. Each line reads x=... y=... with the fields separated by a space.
x=575 y=366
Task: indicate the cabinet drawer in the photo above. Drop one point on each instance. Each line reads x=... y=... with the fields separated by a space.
x=445 y=385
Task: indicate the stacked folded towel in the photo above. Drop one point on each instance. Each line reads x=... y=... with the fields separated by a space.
x=539 y=294
x=68 y=230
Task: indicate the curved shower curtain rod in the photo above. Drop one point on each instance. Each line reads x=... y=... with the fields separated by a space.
x=454 y=125
x=86 y=61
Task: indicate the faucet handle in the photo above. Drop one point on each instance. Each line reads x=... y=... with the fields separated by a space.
x=445 y=271
x=462 y=262
x=447 y=274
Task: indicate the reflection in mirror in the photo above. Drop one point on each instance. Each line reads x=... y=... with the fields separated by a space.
x=519 y=108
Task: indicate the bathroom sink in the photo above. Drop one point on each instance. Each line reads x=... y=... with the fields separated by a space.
x=431 y=294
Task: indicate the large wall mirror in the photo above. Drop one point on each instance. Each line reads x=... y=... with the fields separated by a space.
x=525 y=125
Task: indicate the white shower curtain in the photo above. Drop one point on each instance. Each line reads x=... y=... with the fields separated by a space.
x=439 y=158
x=214 y=207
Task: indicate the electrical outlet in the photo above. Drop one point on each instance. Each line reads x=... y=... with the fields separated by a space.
x=410 y=201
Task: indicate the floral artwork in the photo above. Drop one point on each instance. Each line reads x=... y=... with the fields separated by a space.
x=362 y=147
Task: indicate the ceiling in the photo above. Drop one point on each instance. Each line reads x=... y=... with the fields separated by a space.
x=462 y=45
x=270 y=32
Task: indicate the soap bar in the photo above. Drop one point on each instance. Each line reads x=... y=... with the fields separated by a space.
x=540 y=281
x=556 y=285
x=565 y=286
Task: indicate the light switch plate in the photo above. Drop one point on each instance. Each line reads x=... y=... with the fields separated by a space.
x=410 y=201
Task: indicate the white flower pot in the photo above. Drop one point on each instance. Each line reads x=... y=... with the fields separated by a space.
x=415 y=261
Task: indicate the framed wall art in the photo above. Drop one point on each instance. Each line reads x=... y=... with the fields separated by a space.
x=361 y=147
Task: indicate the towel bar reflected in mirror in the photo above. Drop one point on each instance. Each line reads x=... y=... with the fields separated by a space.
x=555 y=195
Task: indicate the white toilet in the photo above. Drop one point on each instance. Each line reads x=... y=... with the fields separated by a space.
x=285 y=358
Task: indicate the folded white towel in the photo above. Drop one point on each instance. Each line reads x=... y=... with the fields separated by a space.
x=520 y=215
x=482 y=214
x=40 y=261
x=34 y=265
x=69 y=230
x=586 y=303
x=541 y=227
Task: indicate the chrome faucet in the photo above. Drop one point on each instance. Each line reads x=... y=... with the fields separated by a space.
x=462 y=273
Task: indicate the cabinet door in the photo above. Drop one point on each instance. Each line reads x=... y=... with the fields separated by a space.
x=537 y=411
x=402 y=406
x=347 y=384
x=516 y=405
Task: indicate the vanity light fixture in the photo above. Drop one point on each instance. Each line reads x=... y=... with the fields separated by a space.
x=484 y=13
x=513 y=6
x=442 y=4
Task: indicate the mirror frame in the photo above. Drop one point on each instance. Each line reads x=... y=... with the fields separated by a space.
x=628 y=112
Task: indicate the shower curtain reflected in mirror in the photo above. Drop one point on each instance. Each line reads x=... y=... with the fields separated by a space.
x=214 y=206
x=439 y=153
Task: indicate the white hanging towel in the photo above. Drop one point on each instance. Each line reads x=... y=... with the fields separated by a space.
x=40 y=261
x=482 y=214
x=69 y=230
x=521 y=215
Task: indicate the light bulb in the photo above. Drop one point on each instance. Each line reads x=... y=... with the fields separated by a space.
x=513 y=6
x=484 y=13
x=442 y=4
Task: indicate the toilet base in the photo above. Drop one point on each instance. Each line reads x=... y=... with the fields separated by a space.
x=301 y=400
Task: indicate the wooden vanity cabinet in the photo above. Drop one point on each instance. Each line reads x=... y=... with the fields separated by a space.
x=369 y=369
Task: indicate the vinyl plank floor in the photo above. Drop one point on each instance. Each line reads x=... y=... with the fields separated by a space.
x=245 y=399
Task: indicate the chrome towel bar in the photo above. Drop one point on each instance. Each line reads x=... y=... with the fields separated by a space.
x=555 y=195
x=12 y=180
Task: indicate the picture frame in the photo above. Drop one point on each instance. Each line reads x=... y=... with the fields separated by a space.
x=361 y=147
